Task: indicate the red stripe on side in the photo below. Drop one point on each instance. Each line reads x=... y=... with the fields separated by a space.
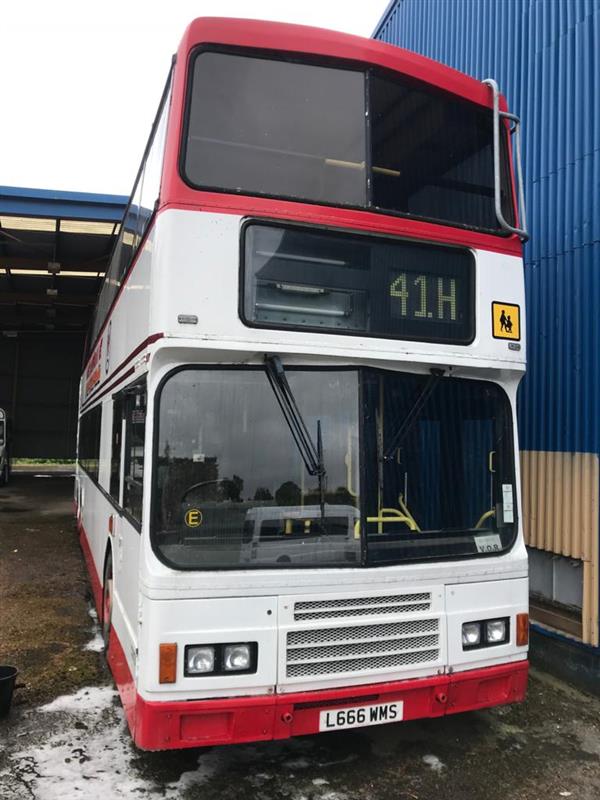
x=111 y=386
x=170 y=725
x=119 y=667
x=146 y=343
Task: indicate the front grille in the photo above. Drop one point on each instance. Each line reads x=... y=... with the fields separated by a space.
x=361 y=648
x=377 y=662
x=367 y=633
x=362 y=606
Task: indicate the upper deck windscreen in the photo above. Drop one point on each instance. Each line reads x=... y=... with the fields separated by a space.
x=340 y=136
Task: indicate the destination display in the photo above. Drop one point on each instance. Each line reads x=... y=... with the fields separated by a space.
x=349 y=284
x=424 y=297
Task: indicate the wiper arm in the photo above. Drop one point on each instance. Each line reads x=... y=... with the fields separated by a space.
x=413 y=414
x=312 y=454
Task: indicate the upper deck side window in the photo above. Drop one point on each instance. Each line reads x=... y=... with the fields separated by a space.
x=138 y=214
x=347 y=136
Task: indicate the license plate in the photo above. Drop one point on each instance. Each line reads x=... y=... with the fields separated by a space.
x=360 y=716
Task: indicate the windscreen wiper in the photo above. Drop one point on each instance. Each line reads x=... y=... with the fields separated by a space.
x=312 y=454
x=413 y=414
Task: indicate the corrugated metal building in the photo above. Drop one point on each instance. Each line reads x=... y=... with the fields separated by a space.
x=545 y=56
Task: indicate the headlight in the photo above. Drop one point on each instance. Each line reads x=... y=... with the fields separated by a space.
x=236 y=657
x=199 y=660
x=220 y=659
x=471 y=634
x=495 y=631
x=485 y=633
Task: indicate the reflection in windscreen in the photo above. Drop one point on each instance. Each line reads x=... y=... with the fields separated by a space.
x=231 y=486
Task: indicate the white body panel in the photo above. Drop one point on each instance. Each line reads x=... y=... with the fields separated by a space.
x=203 y=248
x=190 y=266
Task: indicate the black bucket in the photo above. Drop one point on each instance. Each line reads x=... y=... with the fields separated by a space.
x=8 y=677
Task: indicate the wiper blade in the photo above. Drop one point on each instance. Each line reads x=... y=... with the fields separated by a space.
x=312 y=454
x=413 y=414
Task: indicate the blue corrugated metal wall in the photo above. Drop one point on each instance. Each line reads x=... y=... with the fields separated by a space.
x=545 y=56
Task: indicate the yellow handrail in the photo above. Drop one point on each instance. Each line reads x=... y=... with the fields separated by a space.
x=405 y=510
x=397 y=518
x=391 y=511
x=487 y=515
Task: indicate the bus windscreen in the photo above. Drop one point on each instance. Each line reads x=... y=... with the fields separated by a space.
x=232 y=489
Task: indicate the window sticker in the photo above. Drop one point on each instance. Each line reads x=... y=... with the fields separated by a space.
x=193 y=518
x=490 y=543
x=507 y=502
x=506 y=321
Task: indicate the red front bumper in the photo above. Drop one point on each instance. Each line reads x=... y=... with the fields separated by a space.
x=169 y=725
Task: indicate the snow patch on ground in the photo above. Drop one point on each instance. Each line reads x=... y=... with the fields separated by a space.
x=91 y=700
x=434 y=762
x=78 y=764
x=96 y=645
x=91 y=757
x=78 y=746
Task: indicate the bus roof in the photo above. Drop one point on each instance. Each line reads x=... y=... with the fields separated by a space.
x=283 y=37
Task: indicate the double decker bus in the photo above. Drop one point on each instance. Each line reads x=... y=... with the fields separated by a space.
x=297 y=488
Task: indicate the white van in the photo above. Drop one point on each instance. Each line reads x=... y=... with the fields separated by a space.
x=289 y=534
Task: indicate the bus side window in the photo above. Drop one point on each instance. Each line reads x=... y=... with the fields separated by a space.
x=89 y=441
x=135 y=428
x=115 y=454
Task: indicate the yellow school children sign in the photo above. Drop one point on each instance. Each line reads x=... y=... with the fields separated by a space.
x=506 y=322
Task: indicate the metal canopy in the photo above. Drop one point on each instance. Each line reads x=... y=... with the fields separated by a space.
x=54 y=249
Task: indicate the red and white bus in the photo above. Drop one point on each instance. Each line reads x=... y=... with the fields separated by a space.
x=297 y=487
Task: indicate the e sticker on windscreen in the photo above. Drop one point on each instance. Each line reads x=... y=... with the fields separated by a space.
x=506 y=321
x=193 y=518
